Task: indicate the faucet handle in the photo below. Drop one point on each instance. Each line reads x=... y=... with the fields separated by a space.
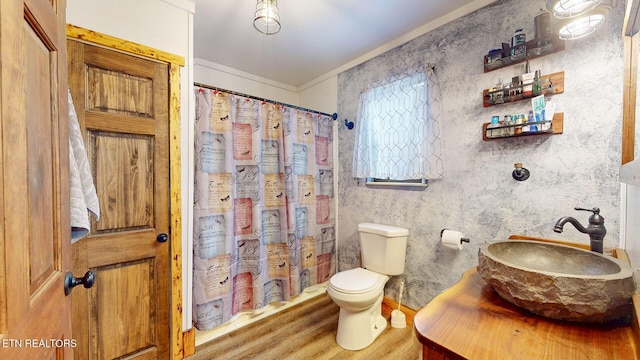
x=595 y=210
x=596 y=218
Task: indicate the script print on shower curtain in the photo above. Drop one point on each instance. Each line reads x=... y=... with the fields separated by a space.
x=264 y=229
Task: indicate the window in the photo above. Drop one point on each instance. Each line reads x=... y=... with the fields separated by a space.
x=397 y=129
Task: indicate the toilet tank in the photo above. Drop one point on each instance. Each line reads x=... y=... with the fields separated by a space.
x=383 y=248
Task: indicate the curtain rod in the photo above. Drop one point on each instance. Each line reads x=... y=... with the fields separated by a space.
x=334 y=116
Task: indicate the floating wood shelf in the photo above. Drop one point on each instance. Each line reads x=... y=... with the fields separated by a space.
x=551 y=84
x=557 y=127
x=533 y=51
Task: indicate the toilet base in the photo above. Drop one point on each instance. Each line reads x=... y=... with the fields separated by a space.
x=358 y=330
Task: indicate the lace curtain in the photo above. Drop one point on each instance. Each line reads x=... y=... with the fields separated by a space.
x=398 y=128
x=264 y=228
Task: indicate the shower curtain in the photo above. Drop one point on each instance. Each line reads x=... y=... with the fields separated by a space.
x=264 y=228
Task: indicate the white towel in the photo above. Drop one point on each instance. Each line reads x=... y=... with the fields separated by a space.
x=83 y=196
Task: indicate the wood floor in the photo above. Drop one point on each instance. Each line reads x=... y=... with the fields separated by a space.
x=305 y=331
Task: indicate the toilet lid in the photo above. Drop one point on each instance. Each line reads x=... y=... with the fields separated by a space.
x=354 y=281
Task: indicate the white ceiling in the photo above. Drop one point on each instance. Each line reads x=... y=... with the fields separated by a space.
x=318 y=37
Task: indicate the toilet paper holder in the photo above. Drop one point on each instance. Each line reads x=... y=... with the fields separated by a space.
x=462 y=240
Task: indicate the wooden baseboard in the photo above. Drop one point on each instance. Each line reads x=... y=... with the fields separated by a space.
x=189 y=342
x=389 y=305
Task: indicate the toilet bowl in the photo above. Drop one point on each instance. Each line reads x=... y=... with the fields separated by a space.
x=358 y=292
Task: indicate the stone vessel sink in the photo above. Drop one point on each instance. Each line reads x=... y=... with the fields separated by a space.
x=557 y=281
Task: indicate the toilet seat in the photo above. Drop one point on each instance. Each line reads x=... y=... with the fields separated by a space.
x=356 y=281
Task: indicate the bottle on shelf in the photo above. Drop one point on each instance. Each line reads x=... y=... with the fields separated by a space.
x=508 y=129
x=498 y=96
x=518 y=121
x=532 y=120
x=542 y=25
x=515 y=90
x=518 y=47
x=537 y=83
x=492 y=132
x=525 y=124
x=527 y=81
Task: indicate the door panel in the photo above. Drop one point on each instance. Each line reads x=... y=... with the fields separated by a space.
x=111 y=314
x=35 y=232
x=122 y=106
x=125 y=178
x=39 y=160
x=102 y=98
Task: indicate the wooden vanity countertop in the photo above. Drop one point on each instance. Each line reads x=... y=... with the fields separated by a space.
x=470 y=321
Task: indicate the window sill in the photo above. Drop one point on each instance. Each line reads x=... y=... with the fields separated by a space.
x=396 y=185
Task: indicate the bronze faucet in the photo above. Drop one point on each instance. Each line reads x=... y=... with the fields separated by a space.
x=595 y=230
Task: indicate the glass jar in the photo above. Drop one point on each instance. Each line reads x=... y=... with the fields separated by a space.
x=493 y=129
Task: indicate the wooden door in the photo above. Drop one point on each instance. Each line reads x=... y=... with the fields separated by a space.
x=122 y=106
x=35 y=228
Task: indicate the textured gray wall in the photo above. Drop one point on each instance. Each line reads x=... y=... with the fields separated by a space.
x=478 y=195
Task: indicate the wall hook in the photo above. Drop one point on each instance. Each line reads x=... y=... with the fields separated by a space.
x=520 y=173
x=348 y=124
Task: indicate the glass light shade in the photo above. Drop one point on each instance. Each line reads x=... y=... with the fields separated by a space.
x=563 y=9
x=267 y=17
x=581 y=26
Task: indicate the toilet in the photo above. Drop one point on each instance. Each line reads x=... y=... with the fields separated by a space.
x=359 y=292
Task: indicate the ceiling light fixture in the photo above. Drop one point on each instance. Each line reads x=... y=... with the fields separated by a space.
x=578 y=18
x=267 y=17
x=581 y=26
x=563 y=9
